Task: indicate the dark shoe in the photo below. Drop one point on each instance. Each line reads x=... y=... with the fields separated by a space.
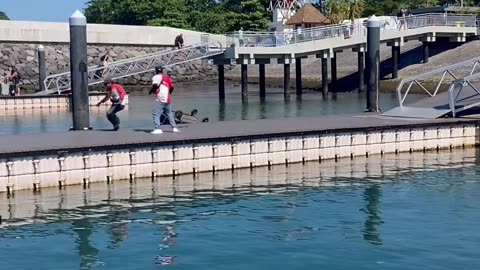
x=116 y=128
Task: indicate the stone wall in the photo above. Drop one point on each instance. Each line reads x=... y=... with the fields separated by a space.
x=24 y=58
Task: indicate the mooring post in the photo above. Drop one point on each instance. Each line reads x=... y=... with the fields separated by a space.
x=373 y=62
x=221 y=82
x=244 y=74
x=261 y=70
x=286 y=80
x=42 y=73
x=361 y=71
x=78 y=71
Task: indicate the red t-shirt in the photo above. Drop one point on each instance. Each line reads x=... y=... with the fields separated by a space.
x=165 y=88
x=117 y=93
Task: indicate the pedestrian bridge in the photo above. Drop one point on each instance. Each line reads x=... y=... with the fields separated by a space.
x=325 y=40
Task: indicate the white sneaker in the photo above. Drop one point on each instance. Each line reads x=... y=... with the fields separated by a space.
x=175 y=130
x=157 y=131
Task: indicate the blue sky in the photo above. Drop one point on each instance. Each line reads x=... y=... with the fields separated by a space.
x=41 y=10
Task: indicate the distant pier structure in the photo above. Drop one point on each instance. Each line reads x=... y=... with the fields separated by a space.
x=282 y=11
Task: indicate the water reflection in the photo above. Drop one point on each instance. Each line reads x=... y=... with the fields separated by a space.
x=373 y=221
x=88 y=254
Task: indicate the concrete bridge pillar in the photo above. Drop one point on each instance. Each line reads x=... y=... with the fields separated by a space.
x=395 y=44
x=221 y=82
x=286 y=61
x=333 y=63
x=244 y=79
x=426 y=51
x=286 y=80
x=298 y=76
x=426 y=41
x=261 y=71
x=325 y=55
x=361 y=67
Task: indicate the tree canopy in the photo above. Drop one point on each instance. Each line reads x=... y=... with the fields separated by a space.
x=3 y=16
x=221 y=16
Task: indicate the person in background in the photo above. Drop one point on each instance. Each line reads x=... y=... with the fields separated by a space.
x=14 y=77
x=105 y=60
x=162 y=88
x=403 y=19
x=179 y=41
x=117 y=95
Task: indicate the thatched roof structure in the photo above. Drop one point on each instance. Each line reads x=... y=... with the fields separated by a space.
x=308 y=14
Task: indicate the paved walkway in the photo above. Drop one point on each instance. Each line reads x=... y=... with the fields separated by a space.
x=25 y=144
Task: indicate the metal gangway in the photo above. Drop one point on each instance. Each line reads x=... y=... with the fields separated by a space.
x=462 y=92
x=59 y=83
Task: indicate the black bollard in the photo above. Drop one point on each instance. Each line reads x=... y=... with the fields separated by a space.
x=373 y=62
x=78 y=71
x=262 y=80
x=42 y=73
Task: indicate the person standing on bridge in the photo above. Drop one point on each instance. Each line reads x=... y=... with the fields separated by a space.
x=162 y=88
x=117 y=95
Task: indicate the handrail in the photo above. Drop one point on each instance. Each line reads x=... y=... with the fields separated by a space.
x=460 y=83
x=137 y=65
x=270 y=39
x=444 y=71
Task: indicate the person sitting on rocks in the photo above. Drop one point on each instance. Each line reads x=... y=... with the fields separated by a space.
x=179 y=41
x=105 y=60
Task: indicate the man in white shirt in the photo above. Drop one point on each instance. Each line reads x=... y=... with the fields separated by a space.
x=162 y=88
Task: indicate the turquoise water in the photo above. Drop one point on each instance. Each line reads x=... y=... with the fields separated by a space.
x=412 y=211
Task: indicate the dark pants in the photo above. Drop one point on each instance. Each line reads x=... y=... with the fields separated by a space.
x=112 y=114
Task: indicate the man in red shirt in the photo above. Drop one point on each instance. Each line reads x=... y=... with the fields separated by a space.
x=162 y=88
x=117 y=96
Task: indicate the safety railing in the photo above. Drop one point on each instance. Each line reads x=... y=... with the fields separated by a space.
x=138 y=65
x=455 y=71
x=347 y=30
x=457 y=87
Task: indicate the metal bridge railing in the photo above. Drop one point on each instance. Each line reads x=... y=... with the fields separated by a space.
x=455 y=71
x=458 y=86
x=275 y=39
x=138 y=65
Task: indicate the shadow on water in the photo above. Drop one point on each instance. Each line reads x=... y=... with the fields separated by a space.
x=371 y=232
x=88 y=254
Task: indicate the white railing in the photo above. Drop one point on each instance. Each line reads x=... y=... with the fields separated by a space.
x=275 y=39
x=455 y=71
x=138 y=65
x=457 y=87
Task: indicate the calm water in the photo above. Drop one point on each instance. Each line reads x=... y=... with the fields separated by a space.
x=412 y=211
x=203 y=97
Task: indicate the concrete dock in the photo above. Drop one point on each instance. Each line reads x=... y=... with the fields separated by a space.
x=35 y=161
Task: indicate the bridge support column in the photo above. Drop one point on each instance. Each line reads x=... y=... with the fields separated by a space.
x=333 y=63
x=244 y=75
x=42 y=72
x=373 y=63
x=261 y=69
x=79 y=71
x=221 y=82
x=395 y=59
x=298 y=76
x=426 y=51
x=324 y=76
x=286 y=80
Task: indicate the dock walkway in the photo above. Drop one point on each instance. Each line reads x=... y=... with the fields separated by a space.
x=34 y=161
x=17 y=145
